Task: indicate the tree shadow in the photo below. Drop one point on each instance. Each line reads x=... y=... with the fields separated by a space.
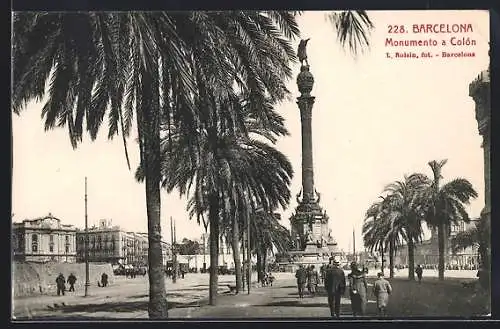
x=56 y=318
x=295 y=303
x=192 y=289
x=175 y=294
x=119 y=307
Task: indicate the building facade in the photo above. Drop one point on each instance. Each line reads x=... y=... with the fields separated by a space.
x=480 y=91
x=110 y=244
x=44 y=239
x=427 y=252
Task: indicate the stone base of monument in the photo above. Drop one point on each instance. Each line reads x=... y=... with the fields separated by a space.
x=312 y=249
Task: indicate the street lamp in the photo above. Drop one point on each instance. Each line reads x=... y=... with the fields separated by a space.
x=174 y=269
x=204 y=236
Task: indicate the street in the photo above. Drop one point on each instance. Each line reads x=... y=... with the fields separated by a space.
x=128 y=299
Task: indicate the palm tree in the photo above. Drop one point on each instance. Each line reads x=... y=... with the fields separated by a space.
x=406 y=214
x=444 y=204
x=373 y=235
x=379 y=231
x=267 y=235
x=236 y=214
x=231 y=174
x=477 y=236
x=147 y=63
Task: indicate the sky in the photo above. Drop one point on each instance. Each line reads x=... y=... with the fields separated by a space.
x=375 y=119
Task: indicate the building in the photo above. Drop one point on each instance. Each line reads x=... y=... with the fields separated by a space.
x=480 y=91
x=110 y=244
x=44 y=239
x=427 y=252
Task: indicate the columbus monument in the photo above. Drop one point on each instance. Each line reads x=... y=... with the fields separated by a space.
x=309 y=224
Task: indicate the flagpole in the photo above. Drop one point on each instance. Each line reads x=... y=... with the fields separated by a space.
x=354 y=244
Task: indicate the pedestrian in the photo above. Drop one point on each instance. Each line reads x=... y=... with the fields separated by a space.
x=270 y=278
x=61 y=284
x=104 y=280
x=382 y=289
x=71 y=281
x=357 y=290
x=301 y=276
x=419 y=272
x=322 y=274
x=334 y=286
x=312 y=280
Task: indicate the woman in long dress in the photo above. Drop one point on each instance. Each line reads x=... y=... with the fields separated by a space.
x=357 y=290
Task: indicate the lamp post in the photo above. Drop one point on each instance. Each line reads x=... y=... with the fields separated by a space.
x=87 y=282
x=204 y=252
x=172 y=240
x=243 y=260
x=249 y=255
x=354 y=245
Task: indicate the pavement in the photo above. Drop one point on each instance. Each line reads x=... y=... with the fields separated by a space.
x=188 y=299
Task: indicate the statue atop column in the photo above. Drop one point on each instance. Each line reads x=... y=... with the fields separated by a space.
x=302 y=51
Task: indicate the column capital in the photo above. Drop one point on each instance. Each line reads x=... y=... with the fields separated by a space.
x=305 y=104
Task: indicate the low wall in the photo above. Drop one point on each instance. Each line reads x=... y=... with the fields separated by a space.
x=32 y=279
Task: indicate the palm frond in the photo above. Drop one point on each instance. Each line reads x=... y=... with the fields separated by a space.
x=353 y=28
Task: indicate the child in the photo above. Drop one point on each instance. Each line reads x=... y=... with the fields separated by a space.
x=382 y=289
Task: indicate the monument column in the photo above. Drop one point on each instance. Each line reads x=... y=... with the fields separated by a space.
x=309 y=224
x=305 y=102
x=479 y=90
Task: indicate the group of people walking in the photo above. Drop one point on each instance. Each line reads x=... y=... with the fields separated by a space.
x=336 y=284
x=267 y=279
x=307 y=276
x=61 y=283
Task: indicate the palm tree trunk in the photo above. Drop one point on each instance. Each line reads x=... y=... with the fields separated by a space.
x=411 y=259
x=441 y=243
x=259 y=265
x=383 y=259
x=264 y=260
x=213 y=217
x=391 y=258
x=236 y=254
x=157 y=308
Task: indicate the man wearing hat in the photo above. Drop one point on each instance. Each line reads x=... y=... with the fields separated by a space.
x=334 y=285
x=301 y=276
x=382 y=289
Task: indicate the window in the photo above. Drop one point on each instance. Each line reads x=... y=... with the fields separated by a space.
x=51 y=243
x=34 y=243
x=67 y=248
x=67 y=238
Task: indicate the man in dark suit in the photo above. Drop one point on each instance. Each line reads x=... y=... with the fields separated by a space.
x=301 y=276
x=335 y=286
